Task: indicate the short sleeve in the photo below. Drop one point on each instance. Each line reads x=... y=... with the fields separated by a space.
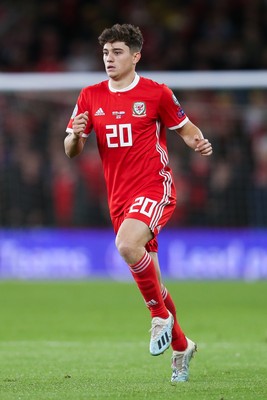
x=170 y=110
x=81 y=106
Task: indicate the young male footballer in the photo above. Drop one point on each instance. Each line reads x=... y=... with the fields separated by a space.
x=129 y=115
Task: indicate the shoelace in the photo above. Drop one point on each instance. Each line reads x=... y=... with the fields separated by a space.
x=157 y=326
x=177 y=362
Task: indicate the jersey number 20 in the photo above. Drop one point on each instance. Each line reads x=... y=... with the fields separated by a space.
x=119 y=135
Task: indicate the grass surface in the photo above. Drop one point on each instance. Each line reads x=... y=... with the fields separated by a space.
x=89 y=340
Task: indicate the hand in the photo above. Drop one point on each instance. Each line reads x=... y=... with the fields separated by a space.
x=203 y=146
x=79 y=124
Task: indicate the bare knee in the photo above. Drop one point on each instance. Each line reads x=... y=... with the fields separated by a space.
x=131 y=239
x=125 y=248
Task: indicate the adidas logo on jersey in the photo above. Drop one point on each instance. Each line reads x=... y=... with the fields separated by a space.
x=99 y=112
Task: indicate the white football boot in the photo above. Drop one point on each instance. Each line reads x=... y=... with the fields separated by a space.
x=180 y=363
x=161 y=334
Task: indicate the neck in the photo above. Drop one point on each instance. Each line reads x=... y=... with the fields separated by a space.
x=122 y=83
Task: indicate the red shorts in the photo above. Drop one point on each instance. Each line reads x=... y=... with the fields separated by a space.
x=153 y=212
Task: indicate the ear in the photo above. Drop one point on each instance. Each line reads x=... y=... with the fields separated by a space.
x=136 y=57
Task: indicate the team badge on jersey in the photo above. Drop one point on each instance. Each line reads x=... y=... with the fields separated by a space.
x=139 y=109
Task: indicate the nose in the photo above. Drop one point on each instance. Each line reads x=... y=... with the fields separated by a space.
x=109 y=57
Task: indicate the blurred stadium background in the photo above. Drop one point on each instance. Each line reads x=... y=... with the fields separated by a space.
x=53 y=212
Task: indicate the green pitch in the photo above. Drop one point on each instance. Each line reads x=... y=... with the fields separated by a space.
x=89 y=340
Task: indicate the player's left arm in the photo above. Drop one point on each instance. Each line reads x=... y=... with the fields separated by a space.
x=194 y=138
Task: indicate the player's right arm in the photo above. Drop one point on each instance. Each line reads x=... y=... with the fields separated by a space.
x=74 y=142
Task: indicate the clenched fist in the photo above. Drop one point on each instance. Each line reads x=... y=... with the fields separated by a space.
x=79 y=124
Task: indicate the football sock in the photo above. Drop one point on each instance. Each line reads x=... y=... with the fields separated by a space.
x=179 y=342
x=145 y=276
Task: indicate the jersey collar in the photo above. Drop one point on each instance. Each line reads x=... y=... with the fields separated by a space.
x=131 y=86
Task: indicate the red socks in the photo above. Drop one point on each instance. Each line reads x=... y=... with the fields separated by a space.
x=179 y=342
x=145 y=276
x=158 y=301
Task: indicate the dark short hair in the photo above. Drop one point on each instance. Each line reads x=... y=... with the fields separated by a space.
x=127 y=33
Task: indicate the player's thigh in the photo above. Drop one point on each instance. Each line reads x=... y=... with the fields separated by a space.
x=133 y=232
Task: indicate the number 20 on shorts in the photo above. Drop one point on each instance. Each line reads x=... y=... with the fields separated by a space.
x=143 y=205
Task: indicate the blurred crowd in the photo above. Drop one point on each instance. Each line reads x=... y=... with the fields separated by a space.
x=61 y=35
x=40 y=186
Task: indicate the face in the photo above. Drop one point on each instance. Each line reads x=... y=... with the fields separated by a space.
x=119 y=61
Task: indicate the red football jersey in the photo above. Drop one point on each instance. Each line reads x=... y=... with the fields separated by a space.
x=130 y=127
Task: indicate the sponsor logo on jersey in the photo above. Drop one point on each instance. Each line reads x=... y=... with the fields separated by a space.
x=118 y=114
x=99 y=112
x=139 y=109
x=175 y=100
